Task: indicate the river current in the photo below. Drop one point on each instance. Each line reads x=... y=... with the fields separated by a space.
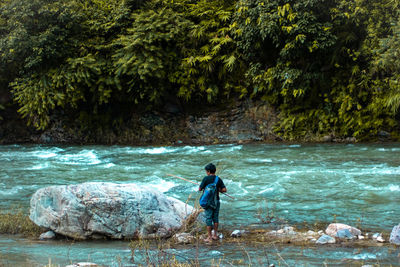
x=356 y=184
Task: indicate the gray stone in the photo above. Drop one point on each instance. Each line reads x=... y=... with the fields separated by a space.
x=326 y=239
x=113 y=210
x=375 y=236
x=344 y=234
x=311 y=233
x=327 y=138
x=183 y=238
x=384 y=134
x=333 y=228
x=395 y=235
x=237 y=233
x=287 y=230
x=83 y=264
x=47 y=235
x=350 y=140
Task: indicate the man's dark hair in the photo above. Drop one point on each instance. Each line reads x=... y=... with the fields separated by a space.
x=211 y=168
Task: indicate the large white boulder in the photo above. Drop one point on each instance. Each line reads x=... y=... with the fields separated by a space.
x=395 y=235
x=113 y=210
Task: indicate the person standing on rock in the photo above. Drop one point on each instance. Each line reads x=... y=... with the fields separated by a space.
x=212 y=214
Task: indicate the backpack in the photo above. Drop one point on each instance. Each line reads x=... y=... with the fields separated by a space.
x=209 y=197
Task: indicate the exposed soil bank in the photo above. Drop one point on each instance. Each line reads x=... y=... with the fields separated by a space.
x=239 y=122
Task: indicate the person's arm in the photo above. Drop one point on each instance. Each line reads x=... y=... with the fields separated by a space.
x=222 y=187
x=201 y=187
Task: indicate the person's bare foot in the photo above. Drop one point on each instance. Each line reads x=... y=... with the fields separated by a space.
x=208 y=240
x=215 y=237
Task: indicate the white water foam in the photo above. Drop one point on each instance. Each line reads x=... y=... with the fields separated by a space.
x=44 y=154
x=158 y=150
x=255 y=160
x=194 y=149
x=162 y=185
x=48 y=153
x=109 y=165
x=293 y=146
x=394 y=188
x=85 y=157
x=39 y=166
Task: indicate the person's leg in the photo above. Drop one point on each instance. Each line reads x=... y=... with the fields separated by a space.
x=216 y=221
x=209 y=222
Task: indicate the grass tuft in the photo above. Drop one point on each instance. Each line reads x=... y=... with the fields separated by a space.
x=17 y=222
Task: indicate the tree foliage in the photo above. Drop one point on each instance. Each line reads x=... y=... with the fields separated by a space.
x=327 y=66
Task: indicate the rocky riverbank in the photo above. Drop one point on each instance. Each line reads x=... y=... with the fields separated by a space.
x=129 y=211
x=240 y=122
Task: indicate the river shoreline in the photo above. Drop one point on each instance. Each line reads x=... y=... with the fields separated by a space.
x=283 y=249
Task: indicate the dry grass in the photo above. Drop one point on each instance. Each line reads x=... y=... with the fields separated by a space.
x=17 y=222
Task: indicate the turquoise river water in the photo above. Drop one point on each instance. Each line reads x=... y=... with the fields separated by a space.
x=301 y=184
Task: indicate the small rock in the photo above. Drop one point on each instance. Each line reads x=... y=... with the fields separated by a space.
x=351 y=140
x=360 y=237
x=333 y=228
x=83 y=264
x=309 y=232
x=375 y=236
x=47 y=236
x=326 y=239
x=320 y=232
x=237 y=233
x=395 y=235
x=327 y=138
x=384 y=134
x=183 y=238
x=344 y=234
x=380 y=239
x=289 y=230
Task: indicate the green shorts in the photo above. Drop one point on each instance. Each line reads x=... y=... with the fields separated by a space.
x=212 y=215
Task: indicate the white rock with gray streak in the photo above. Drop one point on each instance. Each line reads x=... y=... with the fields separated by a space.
x=333 y=229
x=114 y=210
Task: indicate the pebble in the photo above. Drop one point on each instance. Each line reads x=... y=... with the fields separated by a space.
x=375 y=236
x=344 y=233
x=380 y=239
x=326 y=239
x=83 y=264
x=310 y=232
x=237 y=233
x=47 y=235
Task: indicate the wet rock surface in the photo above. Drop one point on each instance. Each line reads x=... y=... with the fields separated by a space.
x=116 y=211
x=334 y=228
x=395 y=235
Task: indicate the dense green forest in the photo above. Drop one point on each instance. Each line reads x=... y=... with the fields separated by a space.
x=326 y=66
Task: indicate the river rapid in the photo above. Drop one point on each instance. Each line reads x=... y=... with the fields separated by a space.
x=356 y=184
